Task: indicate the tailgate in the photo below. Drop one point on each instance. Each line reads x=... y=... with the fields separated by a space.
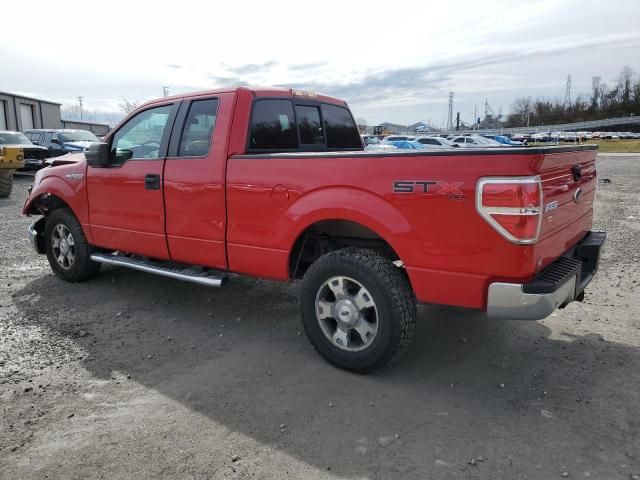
x=569 y=189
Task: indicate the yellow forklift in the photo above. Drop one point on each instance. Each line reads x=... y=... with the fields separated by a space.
x=11 y=158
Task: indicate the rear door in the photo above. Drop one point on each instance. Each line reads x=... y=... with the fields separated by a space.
x=194 y=181
x=126 y=205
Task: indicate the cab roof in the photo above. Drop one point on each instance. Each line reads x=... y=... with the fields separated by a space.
x=257 y=91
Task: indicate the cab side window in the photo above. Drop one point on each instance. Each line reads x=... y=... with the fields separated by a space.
x=198 y=128
x=47 y=138
x=141 y=136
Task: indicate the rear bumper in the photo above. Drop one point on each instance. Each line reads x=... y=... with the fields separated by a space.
x=555 y=287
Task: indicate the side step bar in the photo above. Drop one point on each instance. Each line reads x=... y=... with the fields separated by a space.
x=185 y=273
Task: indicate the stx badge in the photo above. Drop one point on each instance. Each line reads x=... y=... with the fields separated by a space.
x=435 y=187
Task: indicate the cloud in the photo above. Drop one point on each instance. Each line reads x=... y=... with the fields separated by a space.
x=306 y=66
x=405 y=85
x=252 y=67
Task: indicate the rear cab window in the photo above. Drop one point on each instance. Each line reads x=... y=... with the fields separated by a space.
x=273 y=126
x=285 y=125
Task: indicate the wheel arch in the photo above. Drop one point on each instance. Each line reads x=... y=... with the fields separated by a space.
x=348 y=217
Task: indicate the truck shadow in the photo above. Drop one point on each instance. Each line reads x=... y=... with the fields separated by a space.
x=467 y=387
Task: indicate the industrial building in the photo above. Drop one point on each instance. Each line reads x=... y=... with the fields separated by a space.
x=21 y=113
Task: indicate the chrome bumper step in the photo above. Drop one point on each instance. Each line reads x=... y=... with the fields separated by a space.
x=186 y=273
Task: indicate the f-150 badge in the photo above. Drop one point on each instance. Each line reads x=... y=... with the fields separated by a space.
x=74 y=176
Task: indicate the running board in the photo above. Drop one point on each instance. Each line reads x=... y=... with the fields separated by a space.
x=185 y=273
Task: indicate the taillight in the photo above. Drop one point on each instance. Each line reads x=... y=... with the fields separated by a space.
x=512 y=206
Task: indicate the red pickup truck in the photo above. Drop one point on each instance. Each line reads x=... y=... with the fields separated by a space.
x=275 y=183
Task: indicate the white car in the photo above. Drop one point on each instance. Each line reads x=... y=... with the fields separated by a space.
x=398 y=138
x=436 y=142
x=371 y=142
x=475 y=141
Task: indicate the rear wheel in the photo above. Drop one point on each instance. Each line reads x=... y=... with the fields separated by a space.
x=6 y=183
x=67 y=248
x=358 y=309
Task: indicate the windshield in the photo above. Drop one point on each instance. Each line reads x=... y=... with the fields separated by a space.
x=78 y=136
x=13 y=138
x=488 y=141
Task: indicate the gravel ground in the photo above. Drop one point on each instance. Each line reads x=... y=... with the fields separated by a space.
x=131 y=375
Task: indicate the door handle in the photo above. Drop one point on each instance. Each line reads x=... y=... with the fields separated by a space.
x=152 y=181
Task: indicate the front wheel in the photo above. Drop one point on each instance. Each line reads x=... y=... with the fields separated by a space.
x=358 y=309
x=67 y=248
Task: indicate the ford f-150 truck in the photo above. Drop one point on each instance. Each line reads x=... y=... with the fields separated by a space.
x=275 y=183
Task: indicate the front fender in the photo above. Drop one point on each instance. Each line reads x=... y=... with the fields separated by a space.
x=53 y=189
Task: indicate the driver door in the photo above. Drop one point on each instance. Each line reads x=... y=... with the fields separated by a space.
x=126 y=202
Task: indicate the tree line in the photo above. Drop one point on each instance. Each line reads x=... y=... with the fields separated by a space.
x=620 y=100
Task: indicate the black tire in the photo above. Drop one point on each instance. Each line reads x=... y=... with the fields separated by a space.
x=393 y=301
x=82 y=266
x=6 y=183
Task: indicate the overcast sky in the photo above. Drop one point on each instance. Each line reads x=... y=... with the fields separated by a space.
x=392 y=61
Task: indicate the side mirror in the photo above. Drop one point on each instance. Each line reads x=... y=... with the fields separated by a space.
x=97 y=155
x=35 y=142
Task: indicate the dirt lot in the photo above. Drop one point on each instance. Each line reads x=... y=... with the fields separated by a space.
x=134 y=376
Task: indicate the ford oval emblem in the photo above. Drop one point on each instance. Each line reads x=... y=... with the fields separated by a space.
x=577 y=195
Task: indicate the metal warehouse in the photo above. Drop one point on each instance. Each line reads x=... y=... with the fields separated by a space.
x=18 y=112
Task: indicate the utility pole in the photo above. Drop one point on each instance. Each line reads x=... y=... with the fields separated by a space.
x=450 y=116
x=165 y=91
x=457 y=121
x=80 y=104
x=475 y=117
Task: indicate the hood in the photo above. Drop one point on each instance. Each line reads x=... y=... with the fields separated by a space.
x=79 y=144
x=32 y=148
x=68 y=159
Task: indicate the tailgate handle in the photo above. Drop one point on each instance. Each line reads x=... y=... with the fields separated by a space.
x=577 y=172
x=152 y=181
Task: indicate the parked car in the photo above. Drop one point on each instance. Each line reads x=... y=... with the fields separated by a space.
x=473 y=141
x=504 y=140
x=421 y=129
x=541 y=137
x=34 y=155
x=62 y=141
x=407 y=145
x=436 y=142
x=398 y=138
x=367 y=233
x=372 y=142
